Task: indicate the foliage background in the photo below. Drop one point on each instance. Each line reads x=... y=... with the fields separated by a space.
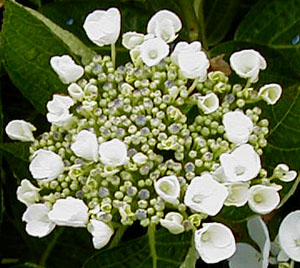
x=29 y=39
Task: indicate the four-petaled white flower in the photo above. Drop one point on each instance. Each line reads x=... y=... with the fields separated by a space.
x=284 y=173
x=243 y=164
x=214 y=242
x=205 y=195
x=76 y=92
x=247 y=64
x=37 y=222
x=238 y=194
x=270 y=93
x=113 y=153
x=153 y=51
x=164 y=24
x=65 y=67
x=238 y=127
x=46 y=165
x=263 y=199
x=101 y=233
x=173 y=222
x=69 y=212
x=184 y=47
x=58 y=110
x=289 y=235
x=86 y=145
x=27 y=193
x=208 y=103
x=139 y=158
x=130 y=40
x=20 y=130
x=103 y=27
x=168 y=188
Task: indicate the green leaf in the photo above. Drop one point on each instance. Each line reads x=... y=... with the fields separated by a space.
x=276 y=24
x=28 y=42
x=171 y=251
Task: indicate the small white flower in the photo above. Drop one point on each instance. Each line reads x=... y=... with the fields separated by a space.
x=205 y=195
x=168 y=188
x=208 y=103
x=164 y=24
x=243 y=164
x=247 y=64
x=193 y=65
x=289 y=235
x=103 y=27
x=37 y=221
x=238 y=127
x=173 y=222
x=65 y=67
x=113 y=153
x=238 y=194
x=76 y=92
x=284 y=173
x=58 y=110
x=214 y=242
x=46 y=165
x=101 y=233
x=69 y=212
x=270 y=93
x=130 y=40
x=20 y=130
x=139 y=158
x=153 y=51
x=135 y=55
x=184 y=47
x=86 y=145
x=27 y=193
x=263 y=199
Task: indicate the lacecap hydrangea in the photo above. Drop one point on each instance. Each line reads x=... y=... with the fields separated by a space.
x=162 y=140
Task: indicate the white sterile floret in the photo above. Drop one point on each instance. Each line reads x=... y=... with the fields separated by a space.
x=69 y=212
x=238 y=127
x=103 y=27
x=205 y=195
x=168 y=188
x=164 y=24
x=270 y=93
x=263 y=199
x=193 y=65
x=173 y=222
x=184 y=47
x=153 y=51
x=130 y=40
x=214 y=242
x=289 y=235
x=238 y=194
x=86 y=145
x=284 y=173
x=20 y=130
x=37 y=221
x=65 y=67
x=76 y=92
x=101 y=233
x=27 y=193
x=243 y=164
x=247 y=64
x=46 y=165
x=113 y=153
x=139 y=158
x=208 y=103
x=58 y=109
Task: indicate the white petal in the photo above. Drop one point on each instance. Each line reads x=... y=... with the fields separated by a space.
x=130 y=40
x=101 y=233
x=139 y=158
x=209 y=103
x=270 y=93
x=20 y=130
x=75 y=91
x=67 y=70
x=184 y=47
x=113 y=153
x=173 y=222
x=27 y=193
x=168 y=188
x=69 y=212
x=46 y=165
x=39 y=228
x=245 y=256
x=238 y=194
x=86 y=145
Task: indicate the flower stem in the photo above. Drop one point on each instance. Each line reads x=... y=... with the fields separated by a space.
x=113 y=54
x=192 y=87
x=292 y=264
x=248 y=84
x=118 y=236
x=151 y=236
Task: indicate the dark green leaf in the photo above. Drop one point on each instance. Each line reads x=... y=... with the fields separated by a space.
x=29 y=40
x=276 y=24
x=18 y=149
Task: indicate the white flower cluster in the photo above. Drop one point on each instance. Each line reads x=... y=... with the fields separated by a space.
x=121 y=149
